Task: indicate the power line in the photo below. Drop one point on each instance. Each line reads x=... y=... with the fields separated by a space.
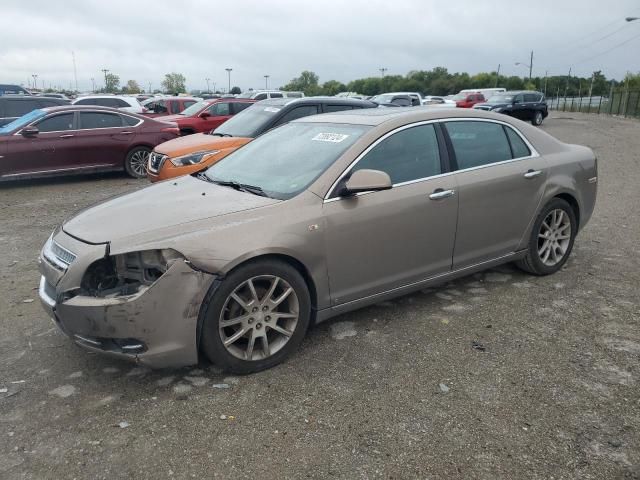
x=608 y=50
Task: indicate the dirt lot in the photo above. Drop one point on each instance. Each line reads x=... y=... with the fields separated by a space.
x=556 y=393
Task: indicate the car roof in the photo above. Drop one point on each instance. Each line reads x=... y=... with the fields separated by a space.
x=515 y=92
x=63 y=108
x=34 y=98
x=286 y=101
x=378 y=116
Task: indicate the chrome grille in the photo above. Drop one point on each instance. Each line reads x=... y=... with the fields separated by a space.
x=58 y=255
x=155 y=161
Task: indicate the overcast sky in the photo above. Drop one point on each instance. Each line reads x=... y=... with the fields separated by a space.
x=340 y=40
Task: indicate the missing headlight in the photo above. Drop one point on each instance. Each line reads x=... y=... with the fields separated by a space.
x=125 y=274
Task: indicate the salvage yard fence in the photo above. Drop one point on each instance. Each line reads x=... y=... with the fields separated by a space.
x=626 y=104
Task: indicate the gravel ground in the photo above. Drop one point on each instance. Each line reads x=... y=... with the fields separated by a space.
x=397 y=390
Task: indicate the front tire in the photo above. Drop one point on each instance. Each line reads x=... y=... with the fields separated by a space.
x=551 y=241
x=136 y=162
x=537 y=118
x=256 y=317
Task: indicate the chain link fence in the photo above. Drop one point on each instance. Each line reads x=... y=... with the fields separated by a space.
x=626 y=104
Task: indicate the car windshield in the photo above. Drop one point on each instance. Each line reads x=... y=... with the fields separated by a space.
x=246 y=94
x=383 y=98
x=284 y=161
x=22 y=121
x=460 y=96
x=249 y=122
x=193 y=109
x=500 y=98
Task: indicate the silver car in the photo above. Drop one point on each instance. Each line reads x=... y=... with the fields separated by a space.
x=318 y=217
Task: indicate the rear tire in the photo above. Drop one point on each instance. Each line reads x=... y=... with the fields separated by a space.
x=551 y=240
x=136 y=162
x=256 y=317
x=537 y=118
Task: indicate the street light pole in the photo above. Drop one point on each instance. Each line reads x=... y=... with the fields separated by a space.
x=35 y=81
x=383 y=71
x=208 y=89
x=229 y=74
x=497 y=76
x=93 y=85
x=530 y=65
x=266 y=82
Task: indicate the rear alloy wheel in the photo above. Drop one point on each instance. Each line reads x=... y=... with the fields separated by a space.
x=136 y=162
x=551 y=239
x=257 y=316
x=537 y=118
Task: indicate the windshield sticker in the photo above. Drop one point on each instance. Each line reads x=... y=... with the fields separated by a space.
x=271 y=109
x=330 y=137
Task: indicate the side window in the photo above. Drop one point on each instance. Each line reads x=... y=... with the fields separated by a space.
x=237 y=107
x=84 y=101
x=407 y=155
x=185 y=104
x=130 y=121
x=337 y=108
x=47 y=103
x=99 y=120
x=118 y=103
x=260 y=96
x=161 y=107
x=518 y=98
x=478 y=143
x=518 y=147
x=57 y=123
x=275 y=95
x=218 y=109
x=531 y=97
x=17 y=108
x=298 y=112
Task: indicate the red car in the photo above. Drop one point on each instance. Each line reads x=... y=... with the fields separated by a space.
x=206 y=115
x=468 y=100
x=161 y=107
x=79 y=139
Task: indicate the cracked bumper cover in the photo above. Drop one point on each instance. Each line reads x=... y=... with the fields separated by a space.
x=156 y=326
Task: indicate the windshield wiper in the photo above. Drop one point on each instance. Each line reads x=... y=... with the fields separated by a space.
x=218 y=134
x=242 y=187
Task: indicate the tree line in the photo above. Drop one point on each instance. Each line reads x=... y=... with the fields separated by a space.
x=439 y=81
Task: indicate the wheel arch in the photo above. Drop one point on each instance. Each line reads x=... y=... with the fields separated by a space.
x=573 y=202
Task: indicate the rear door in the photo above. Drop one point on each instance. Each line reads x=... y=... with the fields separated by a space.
x=519 y=109
x=500 y=180
x=104 y=138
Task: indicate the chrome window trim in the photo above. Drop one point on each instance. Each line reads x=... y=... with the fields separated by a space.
x=140 y=121
x=534 y=154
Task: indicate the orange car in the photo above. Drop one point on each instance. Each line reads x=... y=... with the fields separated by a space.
x=190 y=154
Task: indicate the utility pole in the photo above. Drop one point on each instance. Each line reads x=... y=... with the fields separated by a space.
x=566 y=87
x=105 y=71
x=229 y=74
x=497 y=76
x=208 y=80
x=530 y=65
x=35 y=81
x=266 y=82
x=75 y=72
x=93 y=85
x=545 y=82
x=383 y=70
x=591 y=86
x=149 y=87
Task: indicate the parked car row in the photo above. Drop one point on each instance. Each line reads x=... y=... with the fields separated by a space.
x=322 y=215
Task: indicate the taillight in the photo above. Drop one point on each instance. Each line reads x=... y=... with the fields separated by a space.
x=172 y=130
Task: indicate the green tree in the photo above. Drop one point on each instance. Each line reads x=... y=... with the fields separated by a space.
x=235 y=91
x=174 y=83
x=307 y=82
x=131 y=87
x=112 y=83
x=333 y=87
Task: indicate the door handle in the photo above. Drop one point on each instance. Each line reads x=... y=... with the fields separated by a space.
x=439 y=194
x=67 y=135
x=126 y=133
x=532 y=173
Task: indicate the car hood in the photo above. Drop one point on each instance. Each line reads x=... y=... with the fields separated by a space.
x=198 y=142
x=164 y=205
x=492 y=105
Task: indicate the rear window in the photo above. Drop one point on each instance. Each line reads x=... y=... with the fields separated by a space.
x=478 y=143
x=531 y=97
x=99 y=120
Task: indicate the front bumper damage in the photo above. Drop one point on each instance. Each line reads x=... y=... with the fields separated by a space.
x=155 y=326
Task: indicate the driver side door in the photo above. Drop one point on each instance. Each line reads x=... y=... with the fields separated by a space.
x=219 y=113
x=384 y=240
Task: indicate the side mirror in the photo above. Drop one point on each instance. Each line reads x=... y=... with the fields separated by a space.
x=367 y=181
x=29 y=131
x=204 y=115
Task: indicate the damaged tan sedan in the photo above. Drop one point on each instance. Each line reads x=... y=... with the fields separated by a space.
x=318 y=217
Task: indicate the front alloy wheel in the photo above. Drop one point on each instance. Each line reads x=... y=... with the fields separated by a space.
x=256 y=316
x=537 y=118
